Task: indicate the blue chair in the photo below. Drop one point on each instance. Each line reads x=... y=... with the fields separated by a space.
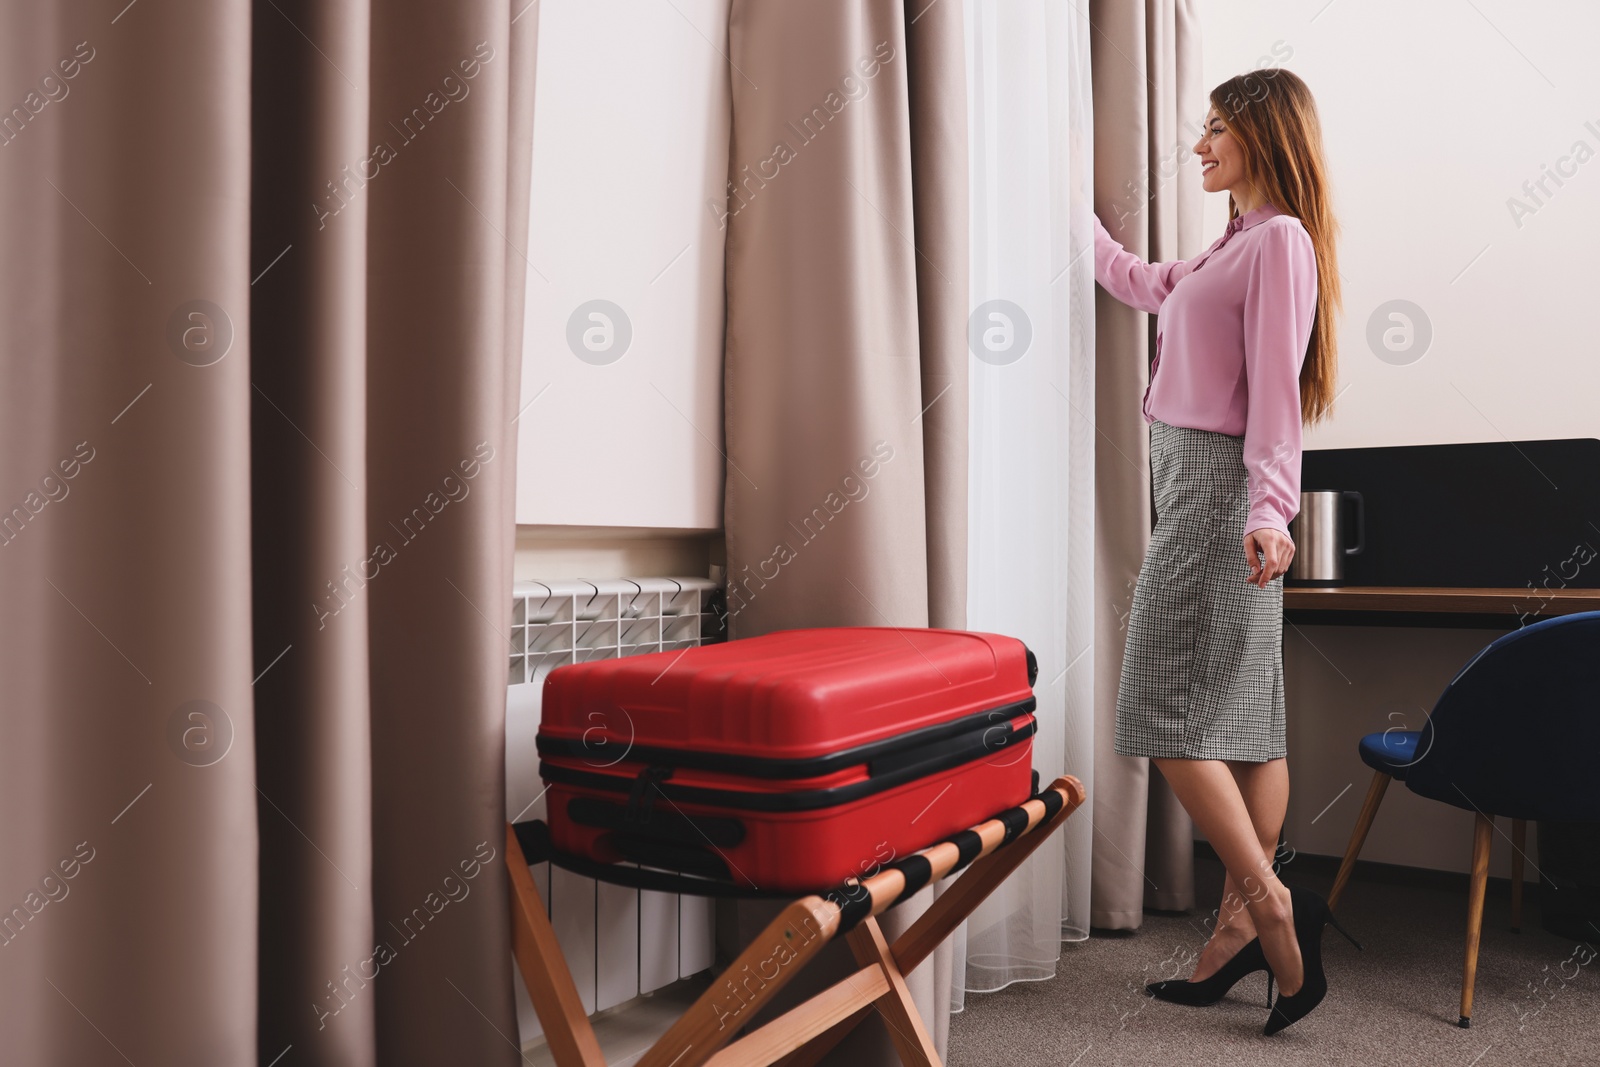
x=1515 y=734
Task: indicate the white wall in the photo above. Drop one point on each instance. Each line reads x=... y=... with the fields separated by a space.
x=1435 y=113
x=1433 y=120
x=545 y=553
x=630 y=141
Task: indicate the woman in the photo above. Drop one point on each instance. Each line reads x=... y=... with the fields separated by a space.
x=1245 y=354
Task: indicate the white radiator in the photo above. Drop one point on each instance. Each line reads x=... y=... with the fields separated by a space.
x=620 y=943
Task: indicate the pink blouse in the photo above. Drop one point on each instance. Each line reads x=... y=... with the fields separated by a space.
x=1239 y=330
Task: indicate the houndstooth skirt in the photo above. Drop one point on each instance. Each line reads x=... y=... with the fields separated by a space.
x=1202 y=674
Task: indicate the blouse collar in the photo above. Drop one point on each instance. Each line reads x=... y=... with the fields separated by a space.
x=1258 y=214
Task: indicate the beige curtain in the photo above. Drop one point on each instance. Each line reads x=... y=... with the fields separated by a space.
x=263 y=337
x=1149 y=102
x=846 y=337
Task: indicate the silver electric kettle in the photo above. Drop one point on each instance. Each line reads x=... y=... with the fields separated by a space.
x=1319 y=537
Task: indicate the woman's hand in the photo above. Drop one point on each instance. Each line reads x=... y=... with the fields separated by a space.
x=1277 y=550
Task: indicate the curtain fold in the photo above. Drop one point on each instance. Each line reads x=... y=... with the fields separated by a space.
x=1032 y=453
x=823 y=375
x=308 y=343
x=935 y=69
x=127 y=853
x=1149 y=103
x=444 y=362
x=845 y=374
x=261 y=308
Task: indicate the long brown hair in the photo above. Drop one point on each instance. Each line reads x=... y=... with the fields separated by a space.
x=1272 y=114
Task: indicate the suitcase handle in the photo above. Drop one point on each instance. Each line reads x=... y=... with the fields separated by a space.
x=955 y=751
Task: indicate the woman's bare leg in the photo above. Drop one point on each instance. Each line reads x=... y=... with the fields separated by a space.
x=1265 y=789
x=1232 y=931
x=1209 y=793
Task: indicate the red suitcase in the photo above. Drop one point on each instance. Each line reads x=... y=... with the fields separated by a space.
x=789 y=761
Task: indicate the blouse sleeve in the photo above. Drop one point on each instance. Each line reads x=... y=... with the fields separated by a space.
x=1279 y=305
x=1130 y=279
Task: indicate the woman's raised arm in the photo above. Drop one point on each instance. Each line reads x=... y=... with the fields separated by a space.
x=1130 y=279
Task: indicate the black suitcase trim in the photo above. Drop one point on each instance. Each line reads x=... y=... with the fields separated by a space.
x=887 y=752
x=943 y=755
x=692 y=859
x=664 y=825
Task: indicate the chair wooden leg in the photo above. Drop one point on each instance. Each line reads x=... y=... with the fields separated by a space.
x=1358 y=836
x=1519 y=844
x=1482 y=834
x=544 y=969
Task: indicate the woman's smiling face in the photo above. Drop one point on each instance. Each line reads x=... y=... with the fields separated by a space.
x=1221 y=156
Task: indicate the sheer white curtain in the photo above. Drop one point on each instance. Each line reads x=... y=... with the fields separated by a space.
x=1031 y=496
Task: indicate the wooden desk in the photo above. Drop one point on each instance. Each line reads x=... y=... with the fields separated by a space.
x=1506 y=609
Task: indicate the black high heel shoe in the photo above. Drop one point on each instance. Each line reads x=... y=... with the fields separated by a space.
x=1247 y=960
x=1311 y=914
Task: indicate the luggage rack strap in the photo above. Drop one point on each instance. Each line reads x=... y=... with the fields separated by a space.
x=850 y=896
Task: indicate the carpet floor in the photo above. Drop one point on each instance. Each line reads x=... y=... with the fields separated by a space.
x=1537 y=999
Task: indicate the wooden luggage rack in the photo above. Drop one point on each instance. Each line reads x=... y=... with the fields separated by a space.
x=705 y=1034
